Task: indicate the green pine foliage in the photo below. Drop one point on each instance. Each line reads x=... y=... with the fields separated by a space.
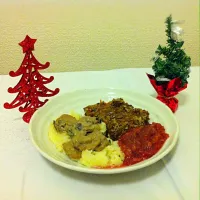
x=171 y=61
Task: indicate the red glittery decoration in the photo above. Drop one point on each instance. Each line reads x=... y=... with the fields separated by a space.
x=32 y=84
x=167 y=91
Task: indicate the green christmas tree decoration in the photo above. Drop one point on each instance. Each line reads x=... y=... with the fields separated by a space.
x=171 y=61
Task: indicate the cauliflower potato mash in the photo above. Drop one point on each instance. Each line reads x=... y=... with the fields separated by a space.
x=109 y=156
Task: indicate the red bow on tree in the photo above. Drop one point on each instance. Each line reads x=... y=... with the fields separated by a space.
x=167 y=91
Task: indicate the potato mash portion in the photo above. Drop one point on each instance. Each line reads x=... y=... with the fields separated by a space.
x=108 y=157
x=57 y=138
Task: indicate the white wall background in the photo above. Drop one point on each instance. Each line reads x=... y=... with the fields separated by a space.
x=93 y=34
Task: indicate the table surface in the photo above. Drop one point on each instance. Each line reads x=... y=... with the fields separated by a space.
x=26 y=175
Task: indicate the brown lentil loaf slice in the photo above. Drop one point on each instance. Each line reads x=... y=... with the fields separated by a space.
x=118 y=115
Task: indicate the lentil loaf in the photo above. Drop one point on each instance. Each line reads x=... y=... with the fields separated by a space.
x=118 y=115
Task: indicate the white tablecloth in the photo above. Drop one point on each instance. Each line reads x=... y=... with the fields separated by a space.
x=26 y=175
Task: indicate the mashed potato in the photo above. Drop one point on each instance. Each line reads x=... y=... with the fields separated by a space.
x=74 y=114
x=103 y=127
x=57 y=138
x=110 y=156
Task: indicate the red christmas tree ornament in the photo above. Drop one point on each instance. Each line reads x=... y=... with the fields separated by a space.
x=32 y=84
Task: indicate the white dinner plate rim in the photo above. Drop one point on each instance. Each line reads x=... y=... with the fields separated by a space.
x=104 y=171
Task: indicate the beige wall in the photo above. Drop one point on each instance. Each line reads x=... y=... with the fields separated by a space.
x=93 y=34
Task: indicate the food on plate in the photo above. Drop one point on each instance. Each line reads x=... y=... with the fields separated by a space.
x=142 y=143
x=85 y=134
x=95 y=141
x=112 y=134
x=70 y=125
x=110 y=156
x=118 y=115
x=65 y=123
x=57 y=138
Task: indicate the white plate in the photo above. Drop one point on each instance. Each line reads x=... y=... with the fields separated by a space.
x=76 y=101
